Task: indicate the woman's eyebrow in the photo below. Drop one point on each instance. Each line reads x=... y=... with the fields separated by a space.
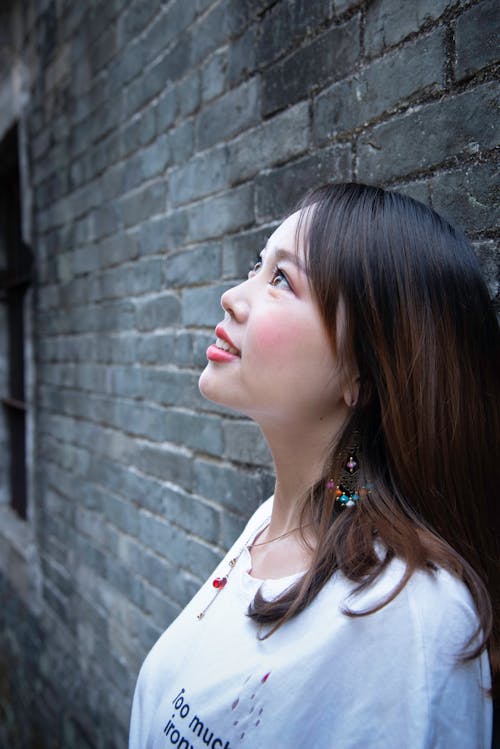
x=281 y=254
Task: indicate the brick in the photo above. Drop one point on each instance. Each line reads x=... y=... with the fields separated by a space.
x=188 y=93
x=217 y=216
x=147 y=635
x=126 y=381
x=161 y=610
x=106 y=118
x=418 y=68
x=157 y=534
x=284 y=136
x=232 y=526
x=136 y=278
x=477 y=33
x=239 y=252
x=278 y=191
x=201 y=559
x=182 y=586
x=106 y=220
x=132 y=176
x=176 y=62
x=235 y=111
x=166 y=110
x=127 y=66
x=160 y=312
x=289 y=23
x=242 y=57
x=299 y=74
x=390 y=21
x=91 y=377
x=103 y=49
x=169 y=23
x=119 y=348
x=107 y=152
x=214 y=75
x=165 y=348
x=383 y=153
x=170 y=388
x=116 y=249
x=236 y=490
x=143 y=203
x=139 y=130
x=165 y=464
x=119 y=315
x=137 y=419
x=155 y=158
x=210 y=32
x=176 y=230
x=469 y=197
x=141 y=490
x=181 y=142
x=240 y=12
x=122 y=514
x=201 y=305
x=146 y=563
x=136 y=17
x=112 y=182
x=206 y=173
x=152 y=236
x=192 y=514
x=194 y=431
x=198 y=265
x=143 y=89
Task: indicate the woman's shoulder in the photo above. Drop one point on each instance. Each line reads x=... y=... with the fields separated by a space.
x=435 y=603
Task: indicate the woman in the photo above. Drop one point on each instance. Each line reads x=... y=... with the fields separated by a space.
x=355 y=609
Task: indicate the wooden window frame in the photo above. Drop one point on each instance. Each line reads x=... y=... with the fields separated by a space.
x=14 y=282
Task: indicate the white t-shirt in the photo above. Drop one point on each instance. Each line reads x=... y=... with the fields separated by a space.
x=389 y=680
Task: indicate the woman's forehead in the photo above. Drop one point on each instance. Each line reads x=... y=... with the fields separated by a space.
x=288 y=236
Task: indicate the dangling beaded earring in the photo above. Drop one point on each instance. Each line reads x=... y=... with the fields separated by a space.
x=346 y=491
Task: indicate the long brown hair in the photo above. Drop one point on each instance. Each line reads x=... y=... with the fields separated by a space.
x=421 y=331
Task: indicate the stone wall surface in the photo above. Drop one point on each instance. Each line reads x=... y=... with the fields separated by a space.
x=163 y=140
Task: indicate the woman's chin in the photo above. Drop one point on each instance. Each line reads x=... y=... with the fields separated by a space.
x=209 y=388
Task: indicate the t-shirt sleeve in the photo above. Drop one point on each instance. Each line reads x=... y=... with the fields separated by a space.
x=403 y=682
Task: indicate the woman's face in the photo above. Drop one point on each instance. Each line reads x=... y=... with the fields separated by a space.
x=272 y=359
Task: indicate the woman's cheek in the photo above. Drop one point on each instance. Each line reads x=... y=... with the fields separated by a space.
x=272 y=339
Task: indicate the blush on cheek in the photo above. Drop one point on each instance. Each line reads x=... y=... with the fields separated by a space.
x=272 y=339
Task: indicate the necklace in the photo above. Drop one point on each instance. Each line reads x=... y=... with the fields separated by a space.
x=219 y=583
x=277 y=538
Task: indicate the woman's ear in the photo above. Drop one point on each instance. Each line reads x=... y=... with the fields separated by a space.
x=351 y=391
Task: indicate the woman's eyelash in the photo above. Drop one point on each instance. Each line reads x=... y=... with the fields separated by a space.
x=277 y=272
x=255 y=267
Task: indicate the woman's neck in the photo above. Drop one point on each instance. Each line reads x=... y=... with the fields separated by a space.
x=299 y=459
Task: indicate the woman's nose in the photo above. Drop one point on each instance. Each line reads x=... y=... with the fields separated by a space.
x=234 y=302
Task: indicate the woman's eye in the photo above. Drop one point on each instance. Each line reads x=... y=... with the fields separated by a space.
x=279 y=280
x=256 y=268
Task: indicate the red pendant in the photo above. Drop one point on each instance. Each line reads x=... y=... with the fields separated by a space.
x=219 y=582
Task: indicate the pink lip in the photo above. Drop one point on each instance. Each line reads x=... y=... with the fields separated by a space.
x=221 y=333
x=216 y=354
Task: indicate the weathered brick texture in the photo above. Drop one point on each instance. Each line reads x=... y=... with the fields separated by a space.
x=164 y=140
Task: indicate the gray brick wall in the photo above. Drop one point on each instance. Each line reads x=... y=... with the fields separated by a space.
x=165 y=139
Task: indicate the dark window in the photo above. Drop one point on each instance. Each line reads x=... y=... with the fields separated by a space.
x=15 y=278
